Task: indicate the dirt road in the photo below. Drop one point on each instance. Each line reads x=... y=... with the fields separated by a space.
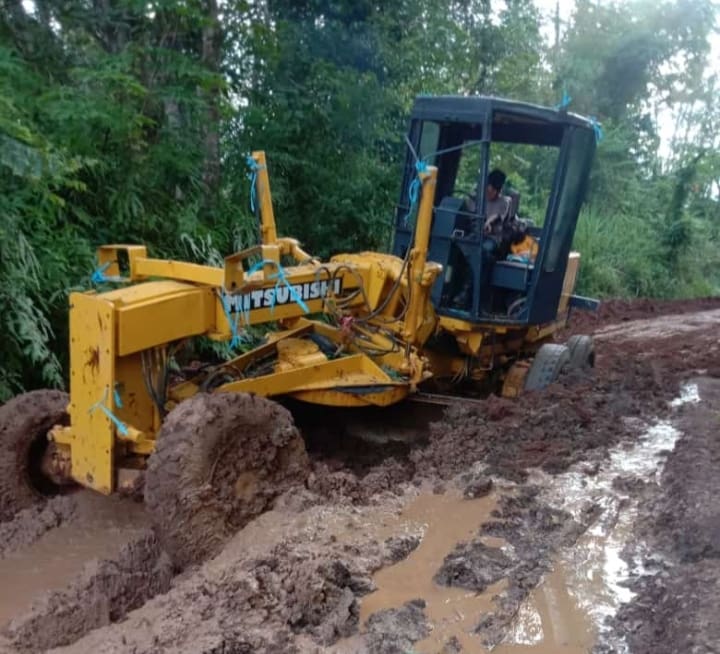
x=580 y=519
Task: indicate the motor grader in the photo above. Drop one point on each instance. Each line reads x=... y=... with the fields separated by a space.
x=445 y=310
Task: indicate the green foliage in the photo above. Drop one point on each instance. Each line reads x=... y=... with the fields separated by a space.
x=131 y=121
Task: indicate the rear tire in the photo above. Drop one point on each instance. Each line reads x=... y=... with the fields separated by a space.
x=220 y=460
x=582 y=352
x=549 y=362
x=24 y=423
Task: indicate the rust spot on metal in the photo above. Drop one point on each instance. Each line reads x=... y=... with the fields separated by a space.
x=93 y=360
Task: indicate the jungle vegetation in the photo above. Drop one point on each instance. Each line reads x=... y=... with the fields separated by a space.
x=131 y=120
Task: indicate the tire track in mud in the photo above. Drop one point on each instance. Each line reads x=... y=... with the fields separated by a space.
x=98 y=562
x=29 y=525
x=294 y=579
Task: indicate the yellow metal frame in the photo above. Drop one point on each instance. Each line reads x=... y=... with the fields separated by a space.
x=374 y=351
x=119 y=338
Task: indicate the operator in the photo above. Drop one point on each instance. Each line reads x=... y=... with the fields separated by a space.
x=497 y=206
x=497 y=210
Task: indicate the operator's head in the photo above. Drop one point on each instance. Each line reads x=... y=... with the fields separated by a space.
x=496 y=179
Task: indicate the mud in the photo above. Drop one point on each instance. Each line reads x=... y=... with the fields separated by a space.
x=30 y=524
x=443 y=520
x=455 y=537
x=619 y=311
x=677 y=555
x=104 y=591
x=394 y=631
x=102 y=561
x=651 y=328
x=282 y=579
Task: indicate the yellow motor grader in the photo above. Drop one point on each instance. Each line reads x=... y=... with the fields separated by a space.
x=448 y=308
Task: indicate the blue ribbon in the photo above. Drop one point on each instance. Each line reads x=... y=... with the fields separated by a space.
x=100 y=404
x=599 y=135
x=281 y=279
x=414 y=190
x=99 y=277
x=565 y=102
x=252 y=176
x=235 y=339
x=116 y=398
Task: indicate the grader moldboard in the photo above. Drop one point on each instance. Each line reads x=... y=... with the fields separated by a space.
x=365 y=329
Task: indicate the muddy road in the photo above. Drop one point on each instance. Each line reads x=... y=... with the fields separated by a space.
x=581 y=519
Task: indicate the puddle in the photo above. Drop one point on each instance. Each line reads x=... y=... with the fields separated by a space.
x=566 y=612
x=549 y=622
x=593 y=572
x=101 y=528
x=445 y=520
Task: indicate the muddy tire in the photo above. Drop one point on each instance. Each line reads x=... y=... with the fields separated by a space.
x=582 y=352
x=549 y=362
x=220 y=460
x=24 y=423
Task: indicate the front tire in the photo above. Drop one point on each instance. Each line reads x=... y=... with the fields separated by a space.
x=550 y=361
x=24 y=423
x=220 y=460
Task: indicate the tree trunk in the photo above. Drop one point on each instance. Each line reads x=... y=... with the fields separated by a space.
x=211 y=58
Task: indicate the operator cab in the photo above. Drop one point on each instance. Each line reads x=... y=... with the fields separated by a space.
x=549 y=151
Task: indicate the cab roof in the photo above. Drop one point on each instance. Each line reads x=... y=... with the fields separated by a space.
x=506 y=120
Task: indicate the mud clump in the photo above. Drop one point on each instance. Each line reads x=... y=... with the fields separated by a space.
x=474 y=566
x=30 y=524
x=332 y=483
x=104 y=592
x=393 y=631
x=453 y=646
x=400 y=547
x=476 y=486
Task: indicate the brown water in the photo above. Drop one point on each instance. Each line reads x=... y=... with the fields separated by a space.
x=549 y=622
x=100 y=528
x=447 y=520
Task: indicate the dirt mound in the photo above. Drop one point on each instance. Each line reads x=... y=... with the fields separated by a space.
x=474 y=566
